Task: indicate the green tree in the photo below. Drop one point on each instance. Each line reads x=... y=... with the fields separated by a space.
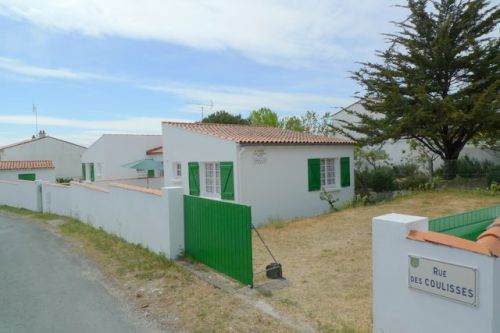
x=317 y=124
x=438 y=82
x=264 y=117
x=224 y=117
x=292 y=123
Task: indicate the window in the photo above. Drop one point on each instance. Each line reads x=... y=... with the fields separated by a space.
x=177 y=169
x=212 y=178
x=327 y=172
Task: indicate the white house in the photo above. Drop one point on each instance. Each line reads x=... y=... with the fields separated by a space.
x=66 y=156
x=399 y=151
x=27 y=170
x=278 y=172
x=105 y=158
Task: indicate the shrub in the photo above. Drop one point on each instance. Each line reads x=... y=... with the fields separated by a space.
x=468 y=167
x=405 y=170
x=414 y=181
x=379 y=180
x=493 y=176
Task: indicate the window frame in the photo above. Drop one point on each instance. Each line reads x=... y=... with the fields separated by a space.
x=210 y=180
x=177 y=170
x=329 y=165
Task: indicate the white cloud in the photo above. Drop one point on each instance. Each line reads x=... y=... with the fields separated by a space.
x=83 y=132
x=17 y=67
x=269 y=31
x=243 y=100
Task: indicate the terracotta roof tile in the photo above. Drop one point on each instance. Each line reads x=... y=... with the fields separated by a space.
x=492 y=243
x=155 y=150
x=25 y=165
x=246 y=134
x=449 y=240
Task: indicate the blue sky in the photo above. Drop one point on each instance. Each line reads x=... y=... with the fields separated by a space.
x=111 y=66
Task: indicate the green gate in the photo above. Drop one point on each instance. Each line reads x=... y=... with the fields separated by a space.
x=219 y=234
x=468 y=225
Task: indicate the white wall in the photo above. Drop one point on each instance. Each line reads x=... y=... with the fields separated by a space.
x=155 y=183
x=41 y=174
x=21 y=194
x=66 y=156
x=397 y=308
x=56 y=198
x=151 y=218
x=184 y=146
x=278 y=188
x=112 y=151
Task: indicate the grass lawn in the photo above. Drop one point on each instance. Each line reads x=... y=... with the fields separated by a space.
x=327 y=259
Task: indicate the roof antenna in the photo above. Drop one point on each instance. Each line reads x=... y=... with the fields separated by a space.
x=36 y=118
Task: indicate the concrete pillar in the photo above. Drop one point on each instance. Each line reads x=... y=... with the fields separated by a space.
x=388 y=236
x=174 y=199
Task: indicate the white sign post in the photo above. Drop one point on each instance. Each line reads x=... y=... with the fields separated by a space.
x=447 y=280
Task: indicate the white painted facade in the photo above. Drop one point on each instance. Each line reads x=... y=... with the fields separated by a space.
x=275 y=186
x=111 y=151
x=399 y=151
x=398 y=308
x=66 y=156
x=40 y=174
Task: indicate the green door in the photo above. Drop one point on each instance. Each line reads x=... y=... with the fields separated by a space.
x=92 y=172
x=151 y=173
x=219 y=234
x=26 y=176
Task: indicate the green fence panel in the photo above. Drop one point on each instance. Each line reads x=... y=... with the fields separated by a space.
x=219 y=234
x=467 y=225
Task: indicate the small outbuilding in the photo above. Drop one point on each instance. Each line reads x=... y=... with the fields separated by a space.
x=27 y=170
x=105 y=158
x=279 y=173
x=65 y=156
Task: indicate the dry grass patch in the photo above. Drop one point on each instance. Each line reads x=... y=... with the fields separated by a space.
x=327 y=259
x=166 y=291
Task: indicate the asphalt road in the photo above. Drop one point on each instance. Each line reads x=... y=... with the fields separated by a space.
x=44 y=287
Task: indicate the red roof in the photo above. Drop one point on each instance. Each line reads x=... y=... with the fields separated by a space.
x=247 y=134
x=25 y=165
x=155 y=150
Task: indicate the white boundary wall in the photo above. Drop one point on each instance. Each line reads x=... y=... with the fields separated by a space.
x=21 y=194
x=397 y=308
x=56 y=199
x=152 y=218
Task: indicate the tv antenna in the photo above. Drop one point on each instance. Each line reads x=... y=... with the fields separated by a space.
x=203 y=107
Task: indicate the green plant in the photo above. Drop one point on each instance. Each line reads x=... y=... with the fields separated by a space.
x=328 y=197
x=413 y=181
x=63 y=180
x=493 y=175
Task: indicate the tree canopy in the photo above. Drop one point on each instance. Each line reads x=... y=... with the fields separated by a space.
x=264 y=117
x=224 y=117
x=438 y=82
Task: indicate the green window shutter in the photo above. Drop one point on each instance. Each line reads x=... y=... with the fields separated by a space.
x=227 y=181
x=194 y=178
x=314 y=174
x=151 y=173
x=345 y=172
x=26 y=176
x=84 y=172
x=92 y=174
